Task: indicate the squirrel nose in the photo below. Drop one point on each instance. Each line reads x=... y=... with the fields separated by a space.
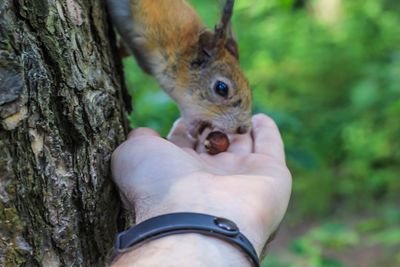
x=242 y=129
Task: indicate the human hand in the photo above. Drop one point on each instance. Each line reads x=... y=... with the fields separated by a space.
x=249 y=184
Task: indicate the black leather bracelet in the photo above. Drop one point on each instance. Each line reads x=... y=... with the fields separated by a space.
x=185 y=222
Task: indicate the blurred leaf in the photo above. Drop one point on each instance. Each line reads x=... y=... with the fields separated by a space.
x=388 y=237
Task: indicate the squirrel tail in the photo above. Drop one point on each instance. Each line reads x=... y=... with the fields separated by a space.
x=121 y=16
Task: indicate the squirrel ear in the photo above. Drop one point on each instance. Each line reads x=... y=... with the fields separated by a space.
x=211 y=44
x=206 y=43
x=232 y=47
x=205 y=49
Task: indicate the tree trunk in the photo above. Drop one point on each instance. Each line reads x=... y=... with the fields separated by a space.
x=61 y=116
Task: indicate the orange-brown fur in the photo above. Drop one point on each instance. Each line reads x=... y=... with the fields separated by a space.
x=165 y=37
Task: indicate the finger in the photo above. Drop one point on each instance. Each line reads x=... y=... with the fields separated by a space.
x=200 y=147
x=142 y=131
x=241 y=144
x=179 y=135
x=266 y=136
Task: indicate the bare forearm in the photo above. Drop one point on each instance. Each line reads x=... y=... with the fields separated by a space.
x=184 y=250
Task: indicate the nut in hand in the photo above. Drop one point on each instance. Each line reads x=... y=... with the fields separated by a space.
x=216 y=142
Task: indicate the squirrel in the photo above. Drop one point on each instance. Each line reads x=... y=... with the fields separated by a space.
x=198 y=68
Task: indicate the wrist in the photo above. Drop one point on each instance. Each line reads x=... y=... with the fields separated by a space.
x=184 y=250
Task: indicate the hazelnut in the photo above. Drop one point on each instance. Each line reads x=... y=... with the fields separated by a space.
x=216 y=142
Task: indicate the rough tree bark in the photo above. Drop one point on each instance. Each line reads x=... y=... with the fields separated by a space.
x=61 y=116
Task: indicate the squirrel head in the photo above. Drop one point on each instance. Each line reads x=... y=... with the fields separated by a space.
x=216 y=93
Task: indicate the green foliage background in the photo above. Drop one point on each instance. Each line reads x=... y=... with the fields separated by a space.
x=334 y=90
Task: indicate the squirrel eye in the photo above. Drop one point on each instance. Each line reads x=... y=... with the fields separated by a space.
x=221 y=88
